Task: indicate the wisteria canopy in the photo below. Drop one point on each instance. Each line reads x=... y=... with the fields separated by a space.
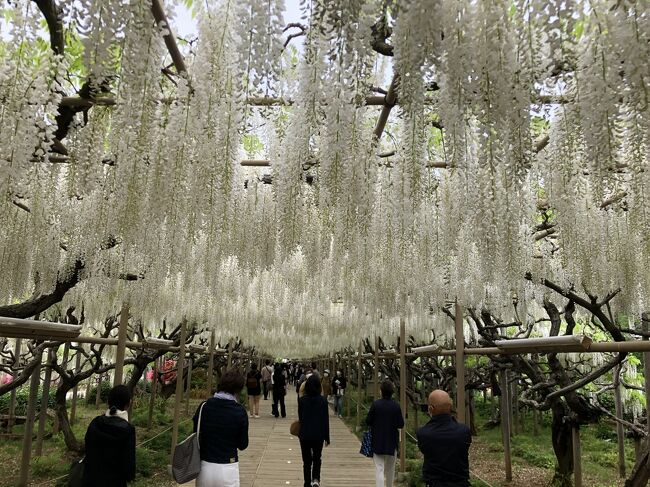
x=519 y=145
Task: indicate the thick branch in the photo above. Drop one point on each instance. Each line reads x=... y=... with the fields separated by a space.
x=52 y=16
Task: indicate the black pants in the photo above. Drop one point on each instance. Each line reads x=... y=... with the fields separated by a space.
x=311 y=459
x=279 y=397
x=265 y=387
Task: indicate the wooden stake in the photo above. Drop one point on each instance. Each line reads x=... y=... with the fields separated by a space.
x=505 y=422
x=515 y=407
x=577 y=455
x=12 y=396
x=180 y=364
x=645 y=325
x=210 y=364
x=359 y=381
x=121 y=345
x=98 y=391
x=402 y=392
x=152 y=397
x=376 y=369
x=620 y=434
x=45 y=399
x=73 y=406
x=29 y=425
x=188 y=389
x=460 y=365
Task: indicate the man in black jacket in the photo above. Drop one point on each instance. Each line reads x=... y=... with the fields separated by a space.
x=445 y=444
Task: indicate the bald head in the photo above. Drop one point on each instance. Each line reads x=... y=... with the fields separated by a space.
x=439 y=402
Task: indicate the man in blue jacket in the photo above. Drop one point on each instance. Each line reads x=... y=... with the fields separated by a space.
x=445 y=444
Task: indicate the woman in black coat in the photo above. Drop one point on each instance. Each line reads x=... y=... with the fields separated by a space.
x=313 y=414
x=384 y=420
x=279 y=391
x=110 y=444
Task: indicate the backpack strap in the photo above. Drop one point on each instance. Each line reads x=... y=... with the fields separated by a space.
x=198 y=423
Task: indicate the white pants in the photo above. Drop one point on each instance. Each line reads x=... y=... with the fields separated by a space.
x=218 y=475
x=384 y=469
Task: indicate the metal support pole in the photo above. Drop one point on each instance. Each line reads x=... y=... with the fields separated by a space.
x=577 y=455
x=211 y=364
x=121 y=345
x=505 y=422
x=29 y=424
x=620 y=434
x=75 y=389
x=152 y=397
x=45 y=399
x=402 y=392
x=179 y=388
x=460 y=365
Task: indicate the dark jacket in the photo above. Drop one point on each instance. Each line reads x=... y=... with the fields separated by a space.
x=110 y=452
x=338 y=385
x=445 y=444
x=224 y=430
x=279 y=383
x=385 y=419
x=313 y=414
x=257 y=390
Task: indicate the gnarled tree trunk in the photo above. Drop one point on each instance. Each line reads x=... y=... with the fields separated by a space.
x=562 y=445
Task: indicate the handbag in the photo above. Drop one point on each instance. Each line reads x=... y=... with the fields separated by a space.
x=186 y=461
x=76 y=475
x=366 y=444
x=294 y=429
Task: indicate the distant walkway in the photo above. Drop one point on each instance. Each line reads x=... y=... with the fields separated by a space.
x=273 y=459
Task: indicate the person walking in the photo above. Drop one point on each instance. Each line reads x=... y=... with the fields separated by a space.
x=326 y=384
x=254 y=391
x=224 y=430
x=314 y=430
x=338 y=390
x=385 y=420
x=110 y=444
x=267 y=373
x=445 y=444
x=279 y=391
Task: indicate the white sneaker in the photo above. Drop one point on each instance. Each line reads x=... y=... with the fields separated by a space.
x=257 y=415
x=315 y=483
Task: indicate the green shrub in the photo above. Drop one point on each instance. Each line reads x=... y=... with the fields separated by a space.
x=103 y=393
x=22 y=398
x=49 y=466
x=604 y=431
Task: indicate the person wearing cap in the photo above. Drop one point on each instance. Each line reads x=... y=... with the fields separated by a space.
x=445 y=443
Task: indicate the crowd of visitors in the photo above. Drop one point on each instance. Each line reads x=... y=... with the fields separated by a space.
x=223 y=423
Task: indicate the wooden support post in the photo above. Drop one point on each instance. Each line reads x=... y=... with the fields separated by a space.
x=359 y=385
x=152 y=396
x=515 y=407
x=645 y=325
x=211 y=364
x=45 y=399
x=121 y=345
x=375 y=369
x=402 y=392
x=229 y=363
x=98 y=391
x=505 y=422
x=29 y=424
x=188 y=389
x=180 y=364
x=75 y=389
x=12 y=394
x=349 y=379
x=460 y=365
x=577 y=455
x=620 y=433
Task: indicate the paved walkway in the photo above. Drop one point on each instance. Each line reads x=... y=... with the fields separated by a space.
x=273 y=459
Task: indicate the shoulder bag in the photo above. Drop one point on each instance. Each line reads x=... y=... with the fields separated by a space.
x=186 y=461
x=366 y=444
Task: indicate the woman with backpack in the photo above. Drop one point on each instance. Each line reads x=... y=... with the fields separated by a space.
x=313 y=414
x=254 y=390
x=110 y=444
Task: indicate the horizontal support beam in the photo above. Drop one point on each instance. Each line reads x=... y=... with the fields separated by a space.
x=77 y=101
